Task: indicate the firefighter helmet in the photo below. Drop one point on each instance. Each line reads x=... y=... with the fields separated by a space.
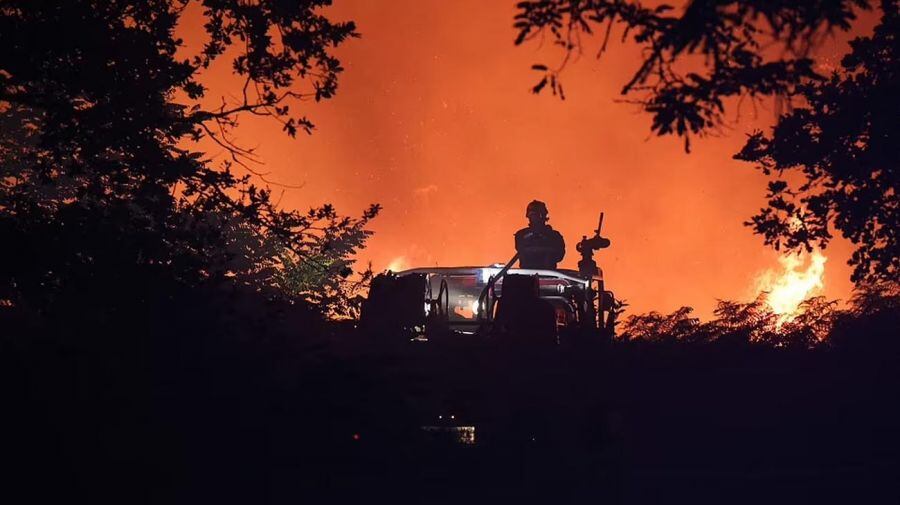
x=537 y=207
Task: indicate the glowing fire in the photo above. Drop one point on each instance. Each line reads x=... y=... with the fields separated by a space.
x=801 y=276
x=397 y=264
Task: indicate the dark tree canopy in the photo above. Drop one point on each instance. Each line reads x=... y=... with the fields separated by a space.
x=731 y=37
x=99 y=171
x=840 y=139
x=844 y=141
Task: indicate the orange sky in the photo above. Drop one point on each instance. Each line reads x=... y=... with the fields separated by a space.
x=434 y=120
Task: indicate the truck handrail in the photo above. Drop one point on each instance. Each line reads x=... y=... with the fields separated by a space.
x=482 y=309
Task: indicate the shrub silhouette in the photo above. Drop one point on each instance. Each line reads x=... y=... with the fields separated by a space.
x=754 y=322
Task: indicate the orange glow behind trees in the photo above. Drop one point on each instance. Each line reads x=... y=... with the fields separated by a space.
x=434 y=120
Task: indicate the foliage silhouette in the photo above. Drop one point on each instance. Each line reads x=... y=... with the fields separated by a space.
x=874 y=297
x=146 y=354
x=100 y=175
x=814 y=325
x=839 y=140
x=654 y=326
x=325 y=277
x=732 y=37
x=843 y=141
x=266 y=403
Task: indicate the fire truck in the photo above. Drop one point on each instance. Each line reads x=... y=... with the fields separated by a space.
x=494 y=300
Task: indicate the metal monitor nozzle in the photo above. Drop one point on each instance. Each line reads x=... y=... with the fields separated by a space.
x=587 y=266
x=588 y=245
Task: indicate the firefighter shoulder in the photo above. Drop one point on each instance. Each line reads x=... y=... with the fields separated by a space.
x=539 y=247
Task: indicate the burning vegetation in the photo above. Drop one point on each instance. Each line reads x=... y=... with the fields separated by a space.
x=771 y=319
x=801 y=277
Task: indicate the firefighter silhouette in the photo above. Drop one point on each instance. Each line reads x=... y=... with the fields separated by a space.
x=539 y=246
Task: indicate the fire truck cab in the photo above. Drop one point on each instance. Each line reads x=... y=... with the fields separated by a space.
x=488 y=300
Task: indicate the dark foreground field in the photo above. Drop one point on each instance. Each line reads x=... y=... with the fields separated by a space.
x=185 y=416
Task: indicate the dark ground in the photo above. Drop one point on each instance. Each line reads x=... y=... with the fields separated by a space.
x=186 y=416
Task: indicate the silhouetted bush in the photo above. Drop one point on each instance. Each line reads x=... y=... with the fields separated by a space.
x=233 y=396
x=815 y=324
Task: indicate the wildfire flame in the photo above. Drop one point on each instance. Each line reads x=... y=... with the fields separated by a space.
x=397 y=264
x=801 y=276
